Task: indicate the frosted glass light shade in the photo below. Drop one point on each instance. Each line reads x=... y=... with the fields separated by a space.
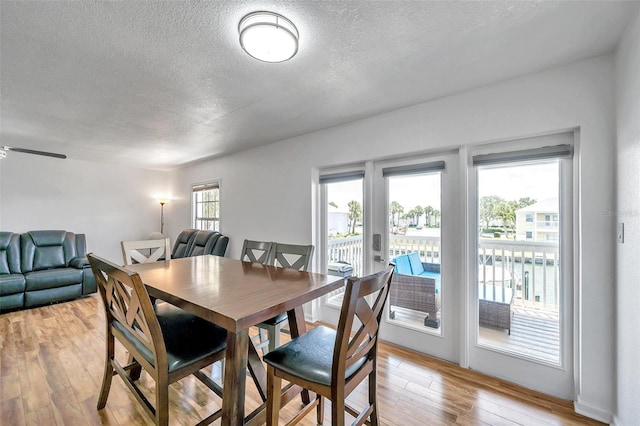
x=268 y=36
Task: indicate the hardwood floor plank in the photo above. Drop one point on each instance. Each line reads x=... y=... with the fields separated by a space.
x=52 y=360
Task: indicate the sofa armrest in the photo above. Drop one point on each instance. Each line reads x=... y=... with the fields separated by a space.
x=88 y=280
x=79 y=263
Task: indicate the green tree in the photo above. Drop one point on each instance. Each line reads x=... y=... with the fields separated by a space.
x=486 y=208
x=418 y=211
x=524 y=202
x=436 y=215
x=355 y=214
x=410 y=215
x=395 y=209
x=428 y=211
x=332 y=204
x=505 y=211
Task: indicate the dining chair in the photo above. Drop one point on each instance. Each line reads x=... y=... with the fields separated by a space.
x=256 y=251
x=167 y=342
x=287 y=256
x=136 y=251
x=332 y=363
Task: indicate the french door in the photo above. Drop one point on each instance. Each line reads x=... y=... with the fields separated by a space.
x=379 y=212
x=416 y=213
x=482 y=240
x=520 y=263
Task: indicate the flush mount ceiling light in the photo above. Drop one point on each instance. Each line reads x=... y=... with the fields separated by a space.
x=268 y=37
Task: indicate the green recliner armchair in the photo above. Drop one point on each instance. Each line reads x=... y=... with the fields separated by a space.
x=41 y=267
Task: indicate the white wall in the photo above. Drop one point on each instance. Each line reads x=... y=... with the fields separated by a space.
x=267 y=191
x=106 y=202
x=628 y=212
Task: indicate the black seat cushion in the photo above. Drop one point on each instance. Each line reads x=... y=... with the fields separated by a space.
x=188 y=338
x=310 y=356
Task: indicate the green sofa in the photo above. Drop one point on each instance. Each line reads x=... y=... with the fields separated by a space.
x=42 y=267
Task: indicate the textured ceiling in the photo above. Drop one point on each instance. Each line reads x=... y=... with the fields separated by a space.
x=162 y=84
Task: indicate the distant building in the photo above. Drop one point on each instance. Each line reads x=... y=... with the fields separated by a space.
x=539 y=221
x=338 y=221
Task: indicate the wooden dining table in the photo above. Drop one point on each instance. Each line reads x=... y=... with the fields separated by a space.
x=237 y=295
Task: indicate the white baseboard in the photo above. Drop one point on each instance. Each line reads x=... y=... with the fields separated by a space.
x=616 y=421
x=592 y=412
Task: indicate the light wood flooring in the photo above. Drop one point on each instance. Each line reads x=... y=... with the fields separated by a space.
x=51 y=362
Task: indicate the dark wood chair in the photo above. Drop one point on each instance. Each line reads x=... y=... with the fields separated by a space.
x=167 y=342
x=289 y=256
x=332 y=363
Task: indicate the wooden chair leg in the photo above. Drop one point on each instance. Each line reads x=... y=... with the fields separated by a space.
x=274 y=392
x=274 y=337
x=108 y=374
x=320 y=412
x=373 y=397
x=337 y=411
x=263 y=337
x=162 y=402
x=134 y=373
x=106 y=384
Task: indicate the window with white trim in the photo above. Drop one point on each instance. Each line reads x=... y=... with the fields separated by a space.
x=206 y=206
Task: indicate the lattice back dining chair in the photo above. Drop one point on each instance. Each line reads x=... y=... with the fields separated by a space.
x=256 y=251
x=332 y=363
x=167 y=342
x=136 y=251
x=291 y=256
x=287 y=256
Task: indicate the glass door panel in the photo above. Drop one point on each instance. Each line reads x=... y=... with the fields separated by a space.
x=414 y=246
x=416 y=208
x=519 y=280
x=521 y=263
x=344 y=233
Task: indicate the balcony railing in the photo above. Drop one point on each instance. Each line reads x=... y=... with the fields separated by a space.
x=532 y=269
x=547 y=224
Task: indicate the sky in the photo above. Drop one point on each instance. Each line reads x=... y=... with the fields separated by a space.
x=538 y=182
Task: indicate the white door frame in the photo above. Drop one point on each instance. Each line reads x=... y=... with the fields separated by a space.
x=446 y=345
x=552 y=380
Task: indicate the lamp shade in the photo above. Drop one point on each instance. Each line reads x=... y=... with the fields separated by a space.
x=268 y=36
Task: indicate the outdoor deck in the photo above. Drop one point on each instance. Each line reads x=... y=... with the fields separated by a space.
x=534 y=333
x=531 y=269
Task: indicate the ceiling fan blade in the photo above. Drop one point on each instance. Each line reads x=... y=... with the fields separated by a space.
x=31 y=151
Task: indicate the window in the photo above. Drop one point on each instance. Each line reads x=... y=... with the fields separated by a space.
x=206 y=206
x=529 y=235
x=529 y=217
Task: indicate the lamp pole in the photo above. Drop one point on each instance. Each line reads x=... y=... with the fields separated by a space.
x=162 y=217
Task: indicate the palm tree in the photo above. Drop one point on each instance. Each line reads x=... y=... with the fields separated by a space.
x=410 y=215
x=505 y=211
x=419 y=211
x=428 y=211
x=436 y=214
x=355 y=214
x=395 y=209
